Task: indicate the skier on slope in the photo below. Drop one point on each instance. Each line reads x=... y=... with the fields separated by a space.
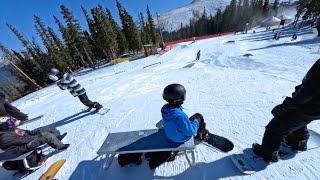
x=67 y=81
x=178 y=127
x=291 y=118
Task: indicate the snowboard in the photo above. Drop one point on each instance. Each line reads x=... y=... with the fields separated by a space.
x=53 y=170
x=218 y=142
x=249 y=163
x=102 y=111
x=31 y=120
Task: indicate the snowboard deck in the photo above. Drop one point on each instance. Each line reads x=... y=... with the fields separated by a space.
x=31 y=120
x=53 y=170
x=249 y=163
x=220 y=143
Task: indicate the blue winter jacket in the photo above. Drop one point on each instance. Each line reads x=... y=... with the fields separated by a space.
x=177 y=126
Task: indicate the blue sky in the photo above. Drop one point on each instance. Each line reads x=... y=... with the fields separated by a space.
x=20 y=13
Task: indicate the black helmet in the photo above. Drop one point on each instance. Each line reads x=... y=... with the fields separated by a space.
x=174 y=93
x=54 y=71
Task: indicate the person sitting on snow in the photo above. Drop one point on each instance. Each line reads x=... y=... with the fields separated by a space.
x=177 y=126
x=291 y=118
x=67 y=81
x=15 y=142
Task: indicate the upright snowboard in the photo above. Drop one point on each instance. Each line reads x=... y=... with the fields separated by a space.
x=53 y=170
x=249 y=163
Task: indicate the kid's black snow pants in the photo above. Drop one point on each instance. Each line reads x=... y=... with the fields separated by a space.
x=289 y=127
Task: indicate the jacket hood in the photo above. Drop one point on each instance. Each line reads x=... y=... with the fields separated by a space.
x=168 y=111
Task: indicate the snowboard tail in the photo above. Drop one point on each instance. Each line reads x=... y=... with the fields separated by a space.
x=53 y=170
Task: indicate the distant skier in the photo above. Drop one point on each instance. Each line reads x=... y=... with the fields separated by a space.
x=177 y=126
x=67 y=81
x=198 y=55
x=6 y=109
x=291 y=118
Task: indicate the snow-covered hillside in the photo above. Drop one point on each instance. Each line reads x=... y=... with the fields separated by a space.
x=234 y=93
x=172 y=20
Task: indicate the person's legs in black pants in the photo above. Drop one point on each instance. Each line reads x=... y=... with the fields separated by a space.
x=47 y=138
x=276 y=131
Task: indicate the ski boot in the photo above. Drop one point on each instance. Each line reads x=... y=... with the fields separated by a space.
x=133 y=158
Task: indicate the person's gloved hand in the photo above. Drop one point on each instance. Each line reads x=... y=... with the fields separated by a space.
x=198 y=117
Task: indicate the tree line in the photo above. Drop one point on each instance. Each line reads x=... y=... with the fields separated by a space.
x=309 y=10
x=233 y=18
x=105 y=40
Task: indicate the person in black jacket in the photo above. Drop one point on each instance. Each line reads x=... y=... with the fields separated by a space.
x=67 y=81
x=291 y=118
x=6 y=109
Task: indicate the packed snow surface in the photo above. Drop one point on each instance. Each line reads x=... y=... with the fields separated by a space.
x=235 y=94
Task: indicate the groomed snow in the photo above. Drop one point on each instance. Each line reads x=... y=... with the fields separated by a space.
x=234 y=93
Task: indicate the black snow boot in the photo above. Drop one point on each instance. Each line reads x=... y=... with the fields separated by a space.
x=299 y=146
x=158 y=158
x=132 y=158
x=268 y=157
x=60 y=137
x=97 y=106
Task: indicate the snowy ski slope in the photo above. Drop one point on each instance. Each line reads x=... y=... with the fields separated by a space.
x=234 y=93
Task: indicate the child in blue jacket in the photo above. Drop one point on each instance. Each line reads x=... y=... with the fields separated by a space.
x=178 y=127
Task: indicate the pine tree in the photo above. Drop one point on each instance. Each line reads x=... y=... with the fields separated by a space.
x=121 y=39
x=26 y=43
x=151 y=28
x=106 y=37
x=144 y=30
x=129 y=29
x=275 y=7
x=77 y=41
x=266 y=8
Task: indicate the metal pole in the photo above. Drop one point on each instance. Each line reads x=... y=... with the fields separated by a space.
x=25 y=75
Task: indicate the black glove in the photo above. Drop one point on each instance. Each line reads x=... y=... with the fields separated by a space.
x=197 y=116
